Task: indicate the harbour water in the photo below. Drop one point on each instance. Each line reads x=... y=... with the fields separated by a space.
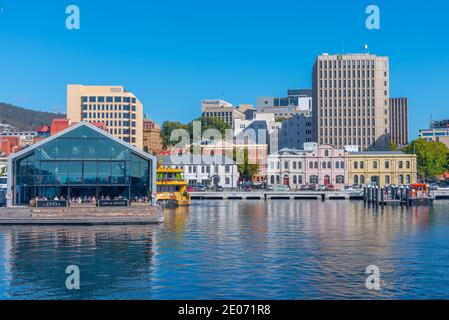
x=277 y=249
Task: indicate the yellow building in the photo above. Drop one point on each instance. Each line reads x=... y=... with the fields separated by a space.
x=119 y=109
x=382 y=167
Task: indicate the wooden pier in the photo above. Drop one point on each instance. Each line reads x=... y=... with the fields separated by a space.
x=394 y=195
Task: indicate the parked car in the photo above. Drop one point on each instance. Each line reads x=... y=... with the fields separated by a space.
x=218 y=188
x=330 y=187
x=199 y=188
x=321 y=187
x=281 y=188
x=270 y=188
x=434 y=186
x=312 y=187
x=304 y=187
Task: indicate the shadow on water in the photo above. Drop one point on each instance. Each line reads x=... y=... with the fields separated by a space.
x=238 y=249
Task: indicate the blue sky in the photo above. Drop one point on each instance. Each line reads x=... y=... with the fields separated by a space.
x=172 y=54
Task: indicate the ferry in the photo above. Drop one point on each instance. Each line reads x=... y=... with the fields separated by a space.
x=171 y=188
x=419 y=194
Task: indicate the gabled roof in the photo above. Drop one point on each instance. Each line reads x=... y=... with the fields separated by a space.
x=74 y=127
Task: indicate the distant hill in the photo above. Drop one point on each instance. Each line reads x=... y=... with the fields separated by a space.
x=25 y=119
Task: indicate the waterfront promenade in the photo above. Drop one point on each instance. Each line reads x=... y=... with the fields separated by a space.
x=82 y=215
x=292 y=195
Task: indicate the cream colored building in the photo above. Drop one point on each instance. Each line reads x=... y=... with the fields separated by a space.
x=119 y=109
x=381 y=168
x=222 y=110
x=351 y=100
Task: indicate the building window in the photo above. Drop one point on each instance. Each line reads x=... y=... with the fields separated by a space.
x=408 y=179
x=401 y=179
x=401 y=164
x=299 y=179
x=356 y=179
x=340 y=179
x=387 y=164
x=356 y=165
x=407 y=164
x=295 y=180
x=375 y=165
x=272 y=179
x=313 y=179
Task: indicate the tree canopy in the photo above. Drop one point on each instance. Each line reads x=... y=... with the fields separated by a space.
x=206 y=123
x=432 y=157
x=246 y=169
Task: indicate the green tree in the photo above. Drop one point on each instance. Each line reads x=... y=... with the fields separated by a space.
x=209 y=123
x=432 y=157
x=206 y=123
x=246 y=169
x=393 y=146
x=166 y=130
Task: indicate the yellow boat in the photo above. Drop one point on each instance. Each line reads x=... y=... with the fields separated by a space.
x=171 y=188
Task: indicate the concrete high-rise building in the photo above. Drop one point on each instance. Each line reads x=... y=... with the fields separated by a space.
x=399 y=121
x=118 y=109
x=351 y=100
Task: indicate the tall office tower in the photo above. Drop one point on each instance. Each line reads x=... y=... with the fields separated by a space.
x=118 y=109
x=399 y=121
x=350 y=98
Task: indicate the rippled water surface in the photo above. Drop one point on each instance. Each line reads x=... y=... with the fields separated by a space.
x=237 y=249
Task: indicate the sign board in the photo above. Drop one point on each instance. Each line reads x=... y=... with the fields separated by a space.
x=51 y=203
x=113 y=203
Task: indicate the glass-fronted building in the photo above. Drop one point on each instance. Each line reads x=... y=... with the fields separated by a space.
x=80 y=161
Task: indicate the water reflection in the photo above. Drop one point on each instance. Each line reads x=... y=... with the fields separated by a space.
x=111 y=260
x=239 y=249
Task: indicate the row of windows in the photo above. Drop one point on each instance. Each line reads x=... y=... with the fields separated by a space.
x=387 y=164
x=207 y=169
x=108 y=99
x=349 y=93
x=361 y=179
x=347 y=63
x=102 y=115
x=115 y=107
x=349 y=103
x=347 y=132
x=312 y=165
x=338 y=122
x=349 y=84
x=347 y=141
x=312 y=179
x=359 y=112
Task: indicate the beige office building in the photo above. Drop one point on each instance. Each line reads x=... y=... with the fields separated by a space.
x=222 y=110
x=351 y=100
x=119 y=109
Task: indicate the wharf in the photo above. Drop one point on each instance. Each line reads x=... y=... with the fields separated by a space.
x=136 y=214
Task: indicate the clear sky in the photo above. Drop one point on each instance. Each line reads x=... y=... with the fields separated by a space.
x=172 y=54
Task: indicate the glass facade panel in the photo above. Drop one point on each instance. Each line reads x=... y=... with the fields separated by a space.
x=81 y=159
